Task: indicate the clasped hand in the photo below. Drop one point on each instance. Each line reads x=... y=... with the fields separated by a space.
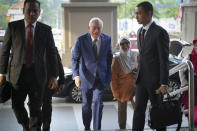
x=2 y=79
x=162 y=89
x=53 y=83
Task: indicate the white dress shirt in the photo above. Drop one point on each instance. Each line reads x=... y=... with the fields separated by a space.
x=147 y=27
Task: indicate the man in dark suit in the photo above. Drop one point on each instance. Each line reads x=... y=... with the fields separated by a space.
x=47 y=99
x=152 y=75
x=91 y=66
x=29 y=40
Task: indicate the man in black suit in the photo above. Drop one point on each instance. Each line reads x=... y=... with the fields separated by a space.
x=29 y=41
x=152 y=75
x=47 y=99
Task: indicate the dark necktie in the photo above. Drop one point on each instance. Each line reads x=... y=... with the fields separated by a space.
x=94 y=47
x=142 y=36
x=29 y=51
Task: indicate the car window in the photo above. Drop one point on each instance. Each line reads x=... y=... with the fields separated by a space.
x=175 y=48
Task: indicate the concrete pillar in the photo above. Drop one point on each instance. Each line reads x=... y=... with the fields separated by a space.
x=76 y=16
x=189 y=21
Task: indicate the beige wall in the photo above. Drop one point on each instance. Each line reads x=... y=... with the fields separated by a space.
x=76 y=18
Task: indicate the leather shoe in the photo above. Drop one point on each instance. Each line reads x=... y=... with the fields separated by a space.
x=25 y=129
x=87 y=129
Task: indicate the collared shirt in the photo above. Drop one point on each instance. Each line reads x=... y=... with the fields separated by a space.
x=147 y=27
x=98 y=44
x=26 y=29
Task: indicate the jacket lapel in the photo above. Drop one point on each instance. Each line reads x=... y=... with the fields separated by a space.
x=89 y=40
x=138 y=39
x=22 y=30
x=36 y=34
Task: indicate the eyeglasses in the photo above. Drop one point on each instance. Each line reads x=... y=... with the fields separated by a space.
x=124 y=43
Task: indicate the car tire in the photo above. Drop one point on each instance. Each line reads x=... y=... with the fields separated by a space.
x=174 y=85
x=75 y=94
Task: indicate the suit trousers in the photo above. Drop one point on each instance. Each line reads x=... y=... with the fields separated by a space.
x=27 y=85
x=142 y=95
x=94 y=95
x=47 y=109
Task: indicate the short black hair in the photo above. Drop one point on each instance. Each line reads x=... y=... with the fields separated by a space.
x=28 y=1
x=146 y=6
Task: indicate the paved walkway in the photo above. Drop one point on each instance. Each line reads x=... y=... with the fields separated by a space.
x=67 y=117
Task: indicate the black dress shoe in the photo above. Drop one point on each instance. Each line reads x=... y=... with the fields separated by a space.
x=87 y=129
x=25 y=129
x=137 y=130
x=46 y=129
x=161 y=129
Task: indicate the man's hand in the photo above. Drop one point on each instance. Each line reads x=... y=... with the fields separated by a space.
x=53 y=83
x=2 y=79
x=78 y=82
x=162 y=89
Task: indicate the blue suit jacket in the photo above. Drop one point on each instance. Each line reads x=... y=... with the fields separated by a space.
x=86 y=65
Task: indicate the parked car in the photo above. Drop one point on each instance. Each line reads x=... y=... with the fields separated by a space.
x=178 y=50
x=74 y=93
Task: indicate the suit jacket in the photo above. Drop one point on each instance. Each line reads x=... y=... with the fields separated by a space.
x=61 y=79
x=86 y=65
x=153 y=60
x=14 y=40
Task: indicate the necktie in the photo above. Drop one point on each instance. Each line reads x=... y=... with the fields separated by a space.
x=29 y=51
x=142 y=36
x=94 y=47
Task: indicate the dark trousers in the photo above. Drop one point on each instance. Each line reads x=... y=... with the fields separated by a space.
x=122 y=114
x=27 y=85
x=142 y=94
x=94 y=95
x=47 y=109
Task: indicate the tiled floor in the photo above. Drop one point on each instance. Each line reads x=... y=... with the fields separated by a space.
x=67 y=117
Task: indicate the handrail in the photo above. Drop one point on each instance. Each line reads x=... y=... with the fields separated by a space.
x=190 y=88
x=177 y=68
x=191 y=95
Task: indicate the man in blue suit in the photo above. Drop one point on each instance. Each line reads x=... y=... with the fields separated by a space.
x=91 y=66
